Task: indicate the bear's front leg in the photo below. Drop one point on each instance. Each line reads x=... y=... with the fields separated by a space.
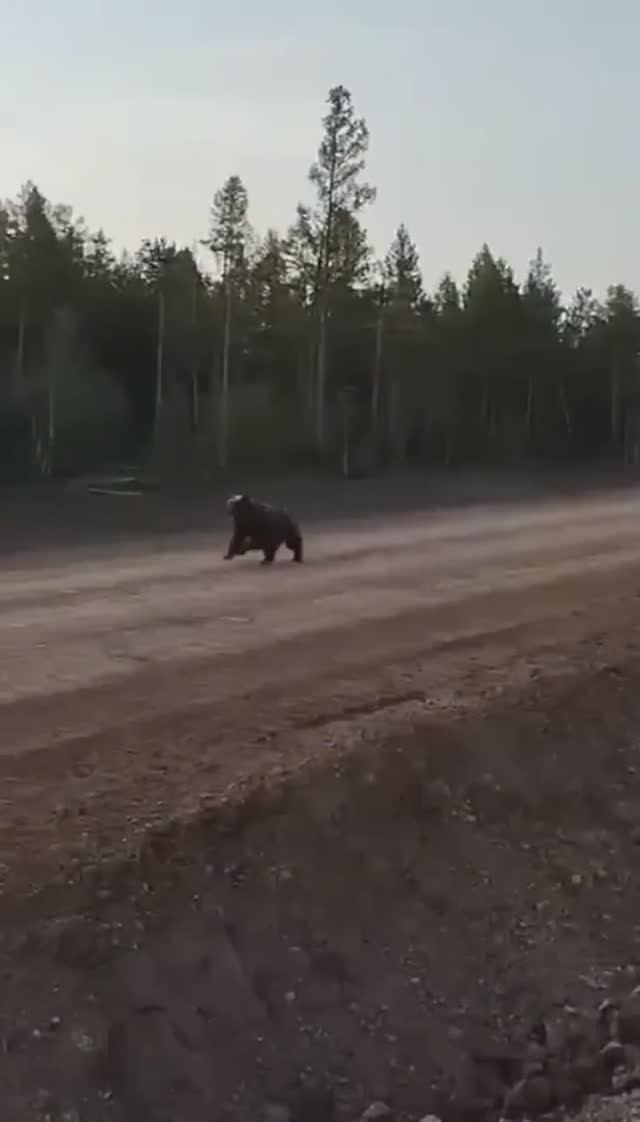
x=235 y=546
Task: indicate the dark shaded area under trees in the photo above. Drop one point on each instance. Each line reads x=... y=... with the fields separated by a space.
x=298 y=348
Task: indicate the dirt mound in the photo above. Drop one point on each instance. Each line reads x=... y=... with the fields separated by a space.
x=352 y=932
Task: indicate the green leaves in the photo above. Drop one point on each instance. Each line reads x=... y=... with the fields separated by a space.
x=487 y=367
x=229 y=229
x=341 y=157
x=401 y=270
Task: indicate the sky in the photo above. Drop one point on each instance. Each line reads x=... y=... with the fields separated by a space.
x=500 y=121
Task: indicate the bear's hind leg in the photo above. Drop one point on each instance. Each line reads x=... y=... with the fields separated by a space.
x=294 y=543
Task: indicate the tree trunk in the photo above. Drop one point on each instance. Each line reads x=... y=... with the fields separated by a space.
x=51 y=418
x=324 y=273
x=485 y=403
x=530 y=405
x=19 y=371
x=195 y=401
x=614 y=406
x=627 y=441
x=159 y=366
x=564 y=405
x=396 y=427
x=223 y=419
x=305 y=379
x=20 y=348
x=195 y=382
x=346 y=435
x=310 y=372
x=321 y=377
x=376 y=380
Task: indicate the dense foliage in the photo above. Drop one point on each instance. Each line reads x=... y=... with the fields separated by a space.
x=297 y=346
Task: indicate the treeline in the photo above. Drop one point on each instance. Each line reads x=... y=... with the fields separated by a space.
x=297 y=347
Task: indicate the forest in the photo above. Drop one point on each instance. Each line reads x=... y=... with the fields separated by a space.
x=297 y=348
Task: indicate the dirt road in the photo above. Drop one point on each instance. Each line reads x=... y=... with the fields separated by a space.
x=137 y=684
x=452 y=701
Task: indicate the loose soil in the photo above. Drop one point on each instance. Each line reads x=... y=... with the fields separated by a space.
x=296 y=836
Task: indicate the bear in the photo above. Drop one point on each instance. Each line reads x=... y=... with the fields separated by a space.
x=259 y=526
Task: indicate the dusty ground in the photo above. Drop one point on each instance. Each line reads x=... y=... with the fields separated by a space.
x=493 y=649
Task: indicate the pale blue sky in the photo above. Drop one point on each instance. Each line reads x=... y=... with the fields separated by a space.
x=507 y=121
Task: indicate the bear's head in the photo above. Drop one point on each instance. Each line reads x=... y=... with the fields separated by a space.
x=237 y=504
